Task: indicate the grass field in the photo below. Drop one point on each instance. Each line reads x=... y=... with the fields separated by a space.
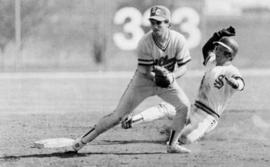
x=39 y=106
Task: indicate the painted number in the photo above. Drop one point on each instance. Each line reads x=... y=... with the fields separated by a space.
x=187 y=18
x=133 y=32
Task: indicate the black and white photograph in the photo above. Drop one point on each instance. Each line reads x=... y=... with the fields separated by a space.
x=134 y=83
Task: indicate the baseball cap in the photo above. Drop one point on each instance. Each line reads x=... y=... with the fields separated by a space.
x=160 y=13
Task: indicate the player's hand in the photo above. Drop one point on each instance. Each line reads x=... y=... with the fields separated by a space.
x=127 y=122
x=232 y=81
x=230 y=31
x=171 y=77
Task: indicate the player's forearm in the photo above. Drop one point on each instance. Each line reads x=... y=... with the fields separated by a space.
x=147 y=71
x=236 y=82
x=150 y=76
x=240 y=84
x=180 y=71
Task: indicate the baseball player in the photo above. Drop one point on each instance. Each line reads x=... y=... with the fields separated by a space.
x=162 y=57
x=220 y=81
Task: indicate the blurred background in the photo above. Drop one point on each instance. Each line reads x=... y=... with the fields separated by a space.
x=101 y=35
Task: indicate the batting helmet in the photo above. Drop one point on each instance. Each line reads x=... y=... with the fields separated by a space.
x=229 y=43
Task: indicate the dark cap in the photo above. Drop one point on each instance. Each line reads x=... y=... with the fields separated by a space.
x=160 y=13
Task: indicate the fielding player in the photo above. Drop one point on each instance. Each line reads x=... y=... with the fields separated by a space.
x=162 y=57
x=220 y=81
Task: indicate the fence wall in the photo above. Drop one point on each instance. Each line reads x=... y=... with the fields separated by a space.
x=83 y=35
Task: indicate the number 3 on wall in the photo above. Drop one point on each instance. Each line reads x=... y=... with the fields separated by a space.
x=187 y=18
x=132 y=28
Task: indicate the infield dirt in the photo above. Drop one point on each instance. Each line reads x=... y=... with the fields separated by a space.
x=34 y=109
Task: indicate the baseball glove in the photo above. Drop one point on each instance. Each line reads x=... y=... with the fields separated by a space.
x=163 y=78
x=230 y=31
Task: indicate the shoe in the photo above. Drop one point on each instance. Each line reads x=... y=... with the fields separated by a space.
x=127 y=123
x=177 y=149
x=78 y=144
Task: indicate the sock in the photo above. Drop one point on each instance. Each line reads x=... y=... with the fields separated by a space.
x=171 y=137
x=136 y=119
x=89 y=136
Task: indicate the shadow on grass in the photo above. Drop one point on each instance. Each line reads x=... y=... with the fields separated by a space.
x=72 y=154
x=112 y=142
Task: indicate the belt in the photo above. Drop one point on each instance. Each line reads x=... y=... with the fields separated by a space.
x=206 y=109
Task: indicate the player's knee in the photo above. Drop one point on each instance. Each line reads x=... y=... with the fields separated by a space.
x=167 y=109
x=182 y=110
x=187 y=105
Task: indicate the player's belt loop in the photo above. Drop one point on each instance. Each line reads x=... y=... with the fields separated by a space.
x=206 y=109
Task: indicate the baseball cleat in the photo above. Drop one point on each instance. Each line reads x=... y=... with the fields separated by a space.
x=78 y=144
x=177 y=149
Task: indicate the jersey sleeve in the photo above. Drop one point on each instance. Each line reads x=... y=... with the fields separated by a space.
x=144 y=54
x=182 y=55
x=235 y=73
